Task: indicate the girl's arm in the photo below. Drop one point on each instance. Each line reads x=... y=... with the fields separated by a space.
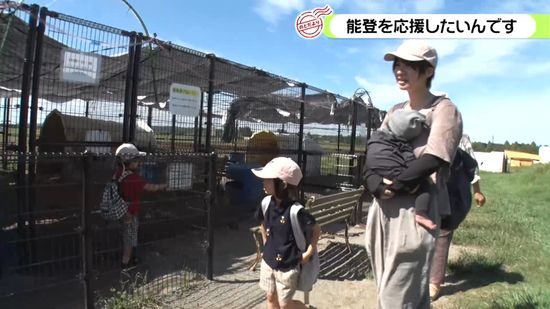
x=315 y=234
x=154 y=187
x=263 y=232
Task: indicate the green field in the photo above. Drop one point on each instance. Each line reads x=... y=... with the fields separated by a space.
x=506 y=263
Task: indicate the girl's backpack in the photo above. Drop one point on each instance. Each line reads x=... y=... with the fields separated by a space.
x=310 y=271
x=113 y=206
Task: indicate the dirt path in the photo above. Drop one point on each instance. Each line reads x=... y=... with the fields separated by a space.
x=343 y=282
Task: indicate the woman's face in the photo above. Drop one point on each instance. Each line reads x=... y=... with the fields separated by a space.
x=408 y=78
x=269 y=186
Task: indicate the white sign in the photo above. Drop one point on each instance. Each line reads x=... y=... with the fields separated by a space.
x=185 y=100
x=180 y=176
x=77 y=67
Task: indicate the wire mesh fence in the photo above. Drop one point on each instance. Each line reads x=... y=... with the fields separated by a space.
x=70 y=86
x=18 y=32
x=53 y=239
x=95 y=86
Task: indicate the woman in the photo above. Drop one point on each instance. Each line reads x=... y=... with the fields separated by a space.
x=400 y=250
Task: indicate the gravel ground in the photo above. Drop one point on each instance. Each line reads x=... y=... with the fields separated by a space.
x=343 y=279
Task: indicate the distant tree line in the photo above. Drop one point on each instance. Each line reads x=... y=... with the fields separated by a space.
x=489 y=146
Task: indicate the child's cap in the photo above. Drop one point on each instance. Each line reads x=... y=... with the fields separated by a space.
x=406 y=124
x=281 y=167
x=128 y=151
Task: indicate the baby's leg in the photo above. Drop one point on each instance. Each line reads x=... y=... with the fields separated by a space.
x=421 y=205
x=423 y=219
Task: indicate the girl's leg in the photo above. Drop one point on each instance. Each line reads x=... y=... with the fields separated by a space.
x=129 y=235
x=272 y=301
x=294 y=304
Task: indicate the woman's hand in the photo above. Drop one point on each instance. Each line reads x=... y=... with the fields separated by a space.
x=306 y=256
x=479 y=198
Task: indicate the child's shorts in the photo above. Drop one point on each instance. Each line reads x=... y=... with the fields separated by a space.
x=284 y=283
x=130 y=230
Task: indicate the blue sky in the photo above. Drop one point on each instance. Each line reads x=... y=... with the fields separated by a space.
x=500 y=86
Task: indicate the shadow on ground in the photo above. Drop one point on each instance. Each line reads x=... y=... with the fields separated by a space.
x=340 y=263
x=476 y=274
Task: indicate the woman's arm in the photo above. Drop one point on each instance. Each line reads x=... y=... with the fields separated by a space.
x=416 y=171
x=479 y=197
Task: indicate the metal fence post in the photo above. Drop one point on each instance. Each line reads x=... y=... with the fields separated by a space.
x=6 y=131
x=22 y=184
x=36 y=78
x=210 y=195
x=211 y=76
x=353 y=134
x=26 y=83
x=35 y=94
x=369 y=124
x=135 y=80
x=358 y=213
x=303 y=167
x=173 y=134
x=353 y=126
x=85 y=237
x=301 y=132
x=128 y=89
x=199 y=142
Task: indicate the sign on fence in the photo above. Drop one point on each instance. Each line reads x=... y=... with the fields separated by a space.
x=77 y=67
x=185 y=100
x=180 y=176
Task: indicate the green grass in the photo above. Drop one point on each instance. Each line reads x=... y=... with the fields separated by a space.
x=131 y=295
x=509 y=264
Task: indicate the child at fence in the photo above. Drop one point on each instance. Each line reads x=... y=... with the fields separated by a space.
x=389 y=157
x=132 y=184
x=284 y=265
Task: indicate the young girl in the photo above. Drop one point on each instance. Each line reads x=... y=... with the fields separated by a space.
x=131 y=187
x=282 y=260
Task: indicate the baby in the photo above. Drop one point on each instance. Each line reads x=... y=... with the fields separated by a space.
x=389 y=153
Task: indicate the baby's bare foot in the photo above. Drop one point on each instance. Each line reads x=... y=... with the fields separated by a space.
x=426 y=222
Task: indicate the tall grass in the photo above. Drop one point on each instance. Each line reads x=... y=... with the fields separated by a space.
x=131 y=295
x=510 y=241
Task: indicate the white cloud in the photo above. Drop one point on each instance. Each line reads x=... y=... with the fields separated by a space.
x=334 y=79
x=524 y=6
x=514 y=116
x=183 y=43
x=352 y=50
x=394 y=7
x=383 y=96
x=428 y=6
x=468 y=59
x=333 y=3
x=537 y=69
x=273 y=10
x=446 y=47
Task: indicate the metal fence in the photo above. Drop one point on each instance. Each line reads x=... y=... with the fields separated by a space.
x=69 y=86
x=53 y=241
